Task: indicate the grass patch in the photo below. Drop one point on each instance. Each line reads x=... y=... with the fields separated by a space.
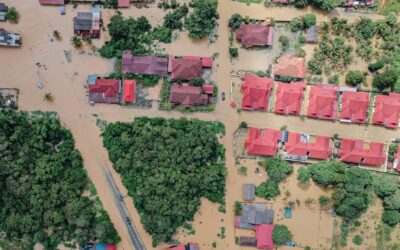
x=390 y=6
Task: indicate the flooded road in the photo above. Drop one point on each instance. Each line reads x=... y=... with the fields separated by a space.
x=66 y=81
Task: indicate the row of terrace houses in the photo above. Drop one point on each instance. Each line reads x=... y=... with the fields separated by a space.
x=121 y=3
x=324 y=101
x=301 y=147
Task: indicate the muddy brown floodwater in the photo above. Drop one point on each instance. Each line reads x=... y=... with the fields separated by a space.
x=66 y=81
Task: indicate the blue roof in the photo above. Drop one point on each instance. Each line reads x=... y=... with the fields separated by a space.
x=95 y=10
x=92 y=79
x=101 y=246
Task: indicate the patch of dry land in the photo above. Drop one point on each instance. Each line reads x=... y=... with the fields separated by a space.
x=66 y=81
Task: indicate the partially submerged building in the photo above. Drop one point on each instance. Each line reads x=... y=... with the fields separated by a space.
x=52 y=2
x=9 y=39
x=129 y=91
x=3 y=11
x=354 y=107
x=301 y=147
x=87 y=24
x=103 y=90
x=256 y=92
x=263 y=142
x=387 y=110
x=289 y=98
x=359 y=152
x=254 y=214
x=255 y=34
x=186 y=95
x=322 y=103
x=249 y=192
x=189 y=246
x=187 y=67
x=312 y=34
x=290 y=66
x=144 y=65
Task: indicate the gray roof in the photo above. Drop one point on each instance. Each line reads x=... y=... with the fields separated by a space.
x=312 y=34
x=247 y=241
x=9 y=39
x=3 y=7
x=249 y=192
x=83 y=21
x=256 y=214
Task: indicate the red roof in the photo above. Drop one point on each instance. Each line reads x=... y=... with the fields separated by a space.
x=123 y=3
x=184 y=69
x=146 y=65
x=208 y=89
x=129 y=91
x=264 y=236
x=52 y=2
x=289 y=98
x=206 y=62
x=292 y=66
x=322 y=103
x=298 y=145
x=104 y=91
x=262 y=141
x=353 y=151
x=255 y=34
x=387 y=110
x=256 y=92
x=111 y=247
x=354 y=106
x=187 y=95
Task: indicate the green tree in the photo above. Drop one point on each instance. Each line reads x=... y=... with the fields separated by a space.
x=237 y=209
x=303 y=175
x=281 y=235
x=358 y=240
x=268 y=189
x=385 y=80
x=284 y=40
x=391 y=217
x=48 y=97
x=385 y=185
x=203 y=20
x=57 y=35
x=234 y=52
x=76 y=41
x=277 y=168
x=235 y=21
x=373 y=67
x=392 y=202
x=324 y=201
x=12 y=15
x=354 y=77
x=309 y=20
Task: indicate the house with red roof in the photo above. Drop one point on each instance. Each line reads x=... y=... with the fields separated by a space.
x=256 y=92
x=359 y=152
x=262 y=141
x=289 y=98
x=143 y=65
x=264 y=236
x=354 y=107
x=254 y=34
x=315 y=147
x=387 y=110
x=189 y=246
x=104 y=91
x=129 y=91
x=123 y=3
x=187 y=95
x=290 y=66
x=52 y=2
x=187 y=67
x=322 y=103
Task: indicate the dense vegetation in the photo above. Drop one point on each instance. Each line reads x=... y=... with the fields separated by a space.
x=281 y=235
x=303 y=22
x=41 y=184
x=202 y=22
x=12 y=15
x=168 y=166
x=277 y=170
x=324 y=5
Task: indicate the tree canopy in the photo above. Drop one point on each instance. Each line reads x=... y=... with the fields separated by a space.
x=324 y=5
x=202 y=22
x=281 y=235
x=41 y=185
x=354 y=77
x=168 y=166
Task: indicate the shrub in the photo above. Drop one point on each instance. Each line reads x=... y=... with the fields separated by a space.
x=235 y=21
x=303 y=175
x=354 y=77
x=358 y=240
x=243 y=124
x=237 y=209
x=373 y=67
x=284 y=40
x=333 y=79
x=385 y=80
x=12 y=15
x=281 y=235
x=324 y=201
x=234 y=52
x=268 y=189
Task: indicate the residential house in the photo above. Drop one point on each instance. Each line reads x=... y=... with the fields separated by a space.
x=304 y=146
x=254 y=214
x=187 y=95
x=104 y=91
x=262 y=141
x=359 y=152
x=249 y=192
x=187 y=67
x=189 y=246
x=129 y=91
x=289 y=98
x=123 y=3
x=290 y=66
x=3 y=11
x=144 y=65
x=264 y=236
x=52 y=2
x=9 y=39
x=87 y=24
x=255 y=34
x=256 y=92
x=354 y=107
x=387 y=110
x=322 y=103
x=312 y=34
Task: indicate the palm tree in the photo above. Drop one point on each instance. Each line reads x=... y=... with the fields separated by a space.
x=76 y=41
x=48 y=97
x=56 y=35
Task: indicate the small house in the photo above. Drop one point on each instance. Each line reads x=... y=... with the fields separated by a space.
x=87 y=24
x=3 y=11
x=247 y=241
x=104 y=91
x=354 y=107
x=387 y=110
x=312 y=34
x=304 y=146
x=187 y=95
x=9 y=39
x=322 y=103
x=144 y=65
x=262 y=141
x=359 y=152
x=129 y=91
x=187 y=67
x=254 y=214
x=249 y=192
x=289 y=98
x=256 y=92
x=255 y=34
x=290 y=66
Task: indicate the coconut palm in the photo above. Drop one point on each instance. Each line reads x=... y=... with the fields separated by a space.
x=56 y=35
x=48 y=97
x=76 y=41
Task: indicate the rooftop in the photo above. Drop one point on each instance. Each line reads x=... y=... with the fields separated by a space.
x=355 y=151
x=262 y=141
x=301 y=145
x=322 y=103
x=354 y=106
x=289 y=65
x=254 y=34
x=289 y=98
x=256 y=92
x=387 y=110
x=184 y=69
x=146 y=65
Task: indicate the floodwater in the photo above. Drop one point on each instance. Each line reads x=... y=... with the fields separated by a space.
x=66 y=80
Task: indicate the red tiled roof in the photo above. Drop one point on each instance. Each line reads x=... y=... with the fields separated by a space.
x=104 y=91
x=52 y=2
x=353 y=151
x=187 y=95
x=184 y=69
x=256 y=92
x=354 y=106
x=123 y=3
x=146 y=65
x=254 y=34
x=322 y=103
x=264 y=236
x=262 y=141
x=206 y=62
x=208 y=89
x=292 y=66
x=289 y=98
x=387 y=110
x=111 y=247
x=317 y=150
x=129 y=91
